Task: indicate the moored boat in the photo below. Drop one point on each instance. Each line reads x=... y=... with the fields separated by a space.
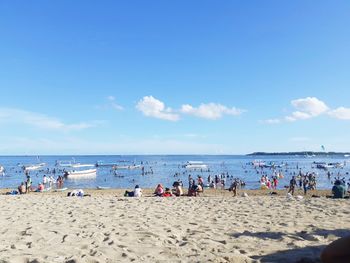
x=81 y=174
x=196 y=165
x=103 y=164
x=33 y=167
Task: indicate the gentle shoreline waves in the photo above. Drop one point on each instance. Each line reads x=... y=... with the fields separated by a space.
x=216 y=227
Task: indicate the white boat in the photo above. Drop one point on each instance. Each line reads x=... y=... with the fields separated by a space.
x=196 y=165
x=73 y=164
x=64 y=163
x=80 y=165
x=33 y=166
x=103 y=164
x=81 y=174
x=2 y=170
x=258 y=163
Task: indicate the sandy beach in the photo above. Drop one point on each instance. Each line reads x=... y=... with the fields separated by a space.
x=214 y=228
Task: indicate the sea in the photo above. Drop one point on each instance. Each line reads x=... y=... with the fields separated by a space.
x=166 y=169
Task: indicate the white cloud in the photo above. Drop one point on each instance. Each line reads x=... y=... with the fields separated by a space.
x=152 y=107
x=42 y=121
x=341 y=113
x=309 y=106
x=210 y=111
x=298 y=115
x=305 y=108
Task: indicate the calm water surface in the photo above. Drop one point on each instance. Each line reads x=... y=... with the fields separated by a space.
x=165 y=167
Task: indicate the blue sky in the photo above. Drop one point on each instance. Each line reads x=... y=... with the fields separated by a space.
x=170 y=77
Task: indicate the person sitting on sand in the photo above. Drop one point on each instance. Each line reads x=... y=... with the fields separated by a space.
x=22 y=188
x=178 y=190
x=159 y=190
x=40 y=187
x=167 y=193
x=195 y=190
x=136 y=193
x=338 y=190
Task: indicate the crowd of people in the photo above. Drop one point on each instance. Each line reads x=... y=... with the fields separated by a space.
x=46 y=183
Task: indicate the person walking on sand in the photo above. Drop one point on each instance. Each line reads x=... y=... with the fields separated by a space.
x=292 y=185
x=233 y=187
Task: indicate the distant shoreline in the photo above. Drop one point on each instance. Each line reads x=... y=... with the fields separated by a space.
x=311 y=154
x=304 y=153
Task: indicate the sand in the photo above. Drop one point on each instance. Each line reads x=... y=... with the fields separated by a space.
x=212 y=228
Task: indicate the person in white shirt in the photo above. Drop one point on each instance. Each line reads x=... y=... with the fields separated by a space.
x=137 y=191
x=45 y=179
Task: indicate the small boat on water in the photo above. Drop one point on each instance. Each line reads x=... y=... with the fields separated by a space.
x=256 y=163
x=81 y=165
x=32 y=167
x=73 y=164
x=83 y=174
x=196 y=165
x=2 y=170
x=326 y=166
x=103 y=164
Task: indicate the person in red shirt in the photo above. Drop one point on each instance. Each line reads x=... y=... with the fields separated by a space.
x=167 y=193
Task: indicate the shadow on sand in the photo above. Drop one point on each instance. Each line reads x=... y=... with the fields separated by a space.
x=310 y=254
